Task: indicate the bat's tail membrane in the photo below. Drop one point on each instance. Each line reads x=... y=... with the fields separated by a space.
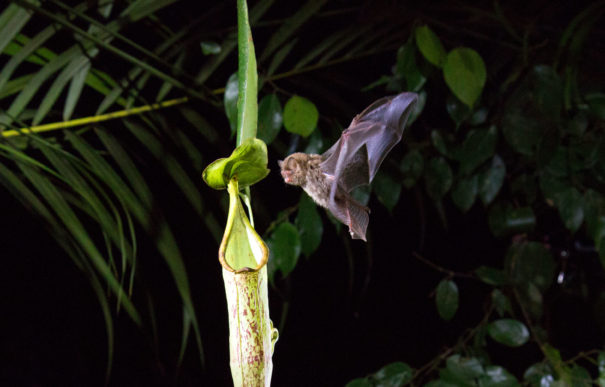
x=359 y=218
x=352 y=213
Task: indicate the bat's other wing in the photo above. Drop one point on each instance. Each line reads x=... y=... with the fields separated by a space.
x=355 y=158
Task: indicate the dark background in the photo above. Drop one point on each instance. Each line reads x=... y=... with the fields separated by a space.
x=345 y=319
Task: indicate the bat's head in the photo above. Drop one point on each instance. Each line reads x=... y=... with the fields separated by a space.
x=294 y=168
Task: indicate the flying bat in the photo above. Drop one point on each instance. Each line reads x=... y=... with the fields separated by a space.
x=352 y=161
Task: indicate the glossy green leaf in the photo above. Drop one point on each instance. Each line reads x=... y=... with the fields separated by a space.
x=571 y=208
x=580 y=377
x=536 y=372
x=552 y=186
x=387 y=189
x=509 y=332
x=438 y=178
x=393 y=375
x=269 y=118
x=522 y=131
x=230 y=101
x=496 y=376
x=446 y=299
x=457 y=110
x=210 y=48
x=412 y=167
x=491 y=180
x=491 y=275
x=547 y=91
x=12 y=19
x=444 y=383
x=462 y=370
x=596 y=102
x=300 y=116
x=406 y=67
x=478 y=146
x=429 y=45
x=530 y=262
x=442 y=143
x=310 y=226
x=247 y=101
x=501 y=303
x=248 y=163
x=464 y=192
x=601 y=368
x=75 y=90
x=504 y=219
x=284 y=247
x=465 y=74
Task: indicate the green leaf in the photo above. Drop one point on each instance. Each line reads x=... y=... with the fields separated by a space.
x=491 y=275
x=491 y=180
x=465 y=192
x=596 y=103
x=75 y=89
x=601 y=365
x=457 y=110
x=571 y=208
x=430 y=46
x=536 y=372
x=465 y=74
x=441 y=143
x=530 y=262
x=248 y=163
x=210 y=48
x=269 y=118
x=478 y=146
x=547 y=92
x=504 y=219
x=387 y=189
x=496 y=376
x=393 y=375
x=300 y=116
x=247 y=101
x=438 y=178
x=580 y=377
x=309 y=225
x=443 y=383
x=284 y=247
x=230 y=101
x=463 y=370
x=412 y=166
x=501 y=303
x=446 y=299
x=406 y=67
x=509 y=332
x=12 y=20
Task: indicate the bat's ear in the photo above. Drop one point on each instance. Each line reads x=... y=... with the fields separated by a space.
x=280 y=163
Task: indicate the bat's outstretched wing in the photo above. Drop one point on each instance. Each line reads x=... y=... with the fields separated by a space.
x=355 y=158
